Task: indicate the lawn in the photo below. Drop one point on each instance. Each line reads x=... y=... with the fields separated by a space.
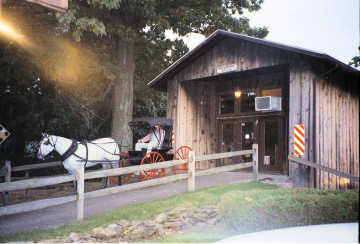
x=245 y=207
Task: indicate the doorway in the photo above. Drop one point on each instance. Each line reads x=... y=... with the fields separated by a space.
x=237 y=135
x=268 y=133
x=272 y=141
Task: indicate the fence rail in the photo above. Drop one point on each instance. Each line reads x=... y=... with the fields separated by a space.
x=324 y=168
x=81 y=177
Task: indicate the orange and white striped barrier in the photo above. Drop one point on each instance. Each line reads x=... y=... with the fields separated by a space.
x=299 y=139
x=173 y=137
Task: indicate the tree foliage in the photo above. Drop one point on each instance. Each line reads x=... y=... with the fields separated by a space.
x=63 y=87
x=131 y=23
x=355 y=61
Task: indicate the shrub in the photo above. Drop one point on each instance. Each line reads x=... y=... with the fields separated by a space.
x=258 y=210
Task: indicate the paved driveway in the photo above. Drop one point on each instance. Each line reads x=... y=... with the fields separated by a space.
x=58 y=215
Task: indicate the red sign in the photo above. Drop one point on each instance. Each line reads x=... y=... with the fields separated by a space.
x=58 y=5
x=299 y=139
x=4 y=133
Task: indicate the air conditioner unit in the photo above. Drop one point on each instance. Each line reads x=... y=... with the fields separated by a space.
x=268 y=103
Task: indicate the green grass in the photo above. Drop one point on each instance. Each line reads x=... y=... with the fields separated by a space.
x=143 y=211
x=258 y=210
x=245 y=207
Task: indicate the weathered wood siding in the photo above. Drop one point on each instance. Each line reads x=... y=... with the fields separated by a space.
x=328 y=111
x=301 y=112
x=192 y=104
x=197 y=126
x=337 y=127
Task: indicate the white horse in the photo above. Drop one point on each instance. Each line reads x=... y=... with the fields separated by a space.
x=104 y=151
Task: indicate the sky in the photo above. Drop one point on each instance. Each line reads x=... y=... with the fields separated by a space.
x=326 y=26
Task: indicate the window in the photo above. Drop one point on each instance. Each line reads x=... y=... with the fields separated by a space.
x=247 y=102
x=242 y=101
x=271 y=92
x=227 y=104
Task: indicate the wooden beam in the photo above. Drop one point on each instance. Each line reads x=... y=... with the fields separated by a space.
x=35 y=205
x=8 y=171
x=255 y=158
x=224 y=169
x=223 y=155
x=36 y=166
x=191 y=172
x=80 y=194
x=318 y=166
x=34 y=183
x=132 y=169
x=135 y=186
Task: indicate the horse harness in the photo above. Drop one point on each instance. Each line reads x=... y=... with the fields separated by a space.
x=72 y=149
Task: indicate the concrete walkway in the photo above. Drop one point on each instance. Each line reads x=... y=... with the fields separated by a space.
x=56 y=216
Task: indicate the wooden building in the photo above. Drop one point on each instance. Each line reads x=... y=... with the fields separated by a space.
x=211 y=94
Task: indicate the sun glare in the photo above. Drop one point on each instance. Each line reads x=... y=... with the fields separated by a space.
x=9 y=31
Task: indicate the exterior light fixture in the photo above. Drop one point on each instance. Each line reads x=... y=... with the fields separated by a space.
x=237 y=93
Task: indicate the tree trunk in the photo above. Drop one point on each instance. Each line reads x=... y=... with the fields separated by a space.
x=122 y=99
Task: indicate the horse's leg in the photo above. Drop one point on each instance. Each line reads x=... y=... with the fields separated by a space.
x=106 y=182
x=106 y=179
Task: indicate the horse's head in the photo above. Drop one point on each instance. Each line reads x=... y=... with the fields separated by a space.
x=46 y=146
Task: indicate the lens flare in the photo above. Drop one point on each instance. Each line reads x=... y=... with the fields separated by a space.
x=9 y=31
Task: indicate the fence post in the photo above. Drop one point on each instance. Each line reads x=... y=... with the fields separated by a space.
x=191 y=172
x=80 y=177
x=255 y=158
x=5 y=195
x=8 y=171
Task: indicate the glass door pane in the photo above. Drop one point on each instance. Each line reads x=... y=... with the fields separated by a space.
x=247 y=138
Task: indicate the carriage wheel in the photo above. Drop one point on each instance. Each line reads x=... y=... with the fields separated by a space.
x=124 y=178
x=181 y=153
x=150 y=158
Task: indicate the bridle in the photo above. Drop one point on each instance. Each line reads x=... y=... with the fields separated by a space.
x=71 y=150
x=48 y=142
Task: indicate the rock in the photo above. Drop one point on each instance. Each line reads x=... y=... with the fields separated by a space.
x=161 y=218
x=199 y=218
x=212 y=221
x=74 y=237
x=173 y=225
x=160 y=229
x=104 y=233
x=149 y=223
x=138 y=232
x=124 y=222
x=112 y=226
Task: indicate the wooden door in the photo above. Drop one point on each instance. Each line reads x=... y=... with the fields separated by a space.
x=236 y=135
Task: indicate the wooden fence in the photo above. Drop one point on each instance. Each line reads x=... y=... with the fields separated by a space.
x=81 y=177
x=324 y=168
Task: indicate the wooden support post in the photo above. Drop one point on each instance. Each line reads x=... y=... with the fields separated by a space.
x=27 y=176
x=8 y=171
x=191 y=172
x=80 y=193
x=5 y=195
x=255 y=159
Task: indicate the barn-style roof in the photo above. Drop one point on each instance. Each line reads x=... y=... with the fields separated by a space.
x=220 y=35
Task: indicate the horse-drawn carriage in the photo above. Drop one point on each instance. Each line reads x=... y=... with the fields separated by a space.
x=163 y=152
x=107 y=152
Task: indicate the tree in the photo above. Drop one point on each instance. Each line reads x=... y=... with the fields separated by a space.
x=129 y=23
x=49 y=83
x=355 y=61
